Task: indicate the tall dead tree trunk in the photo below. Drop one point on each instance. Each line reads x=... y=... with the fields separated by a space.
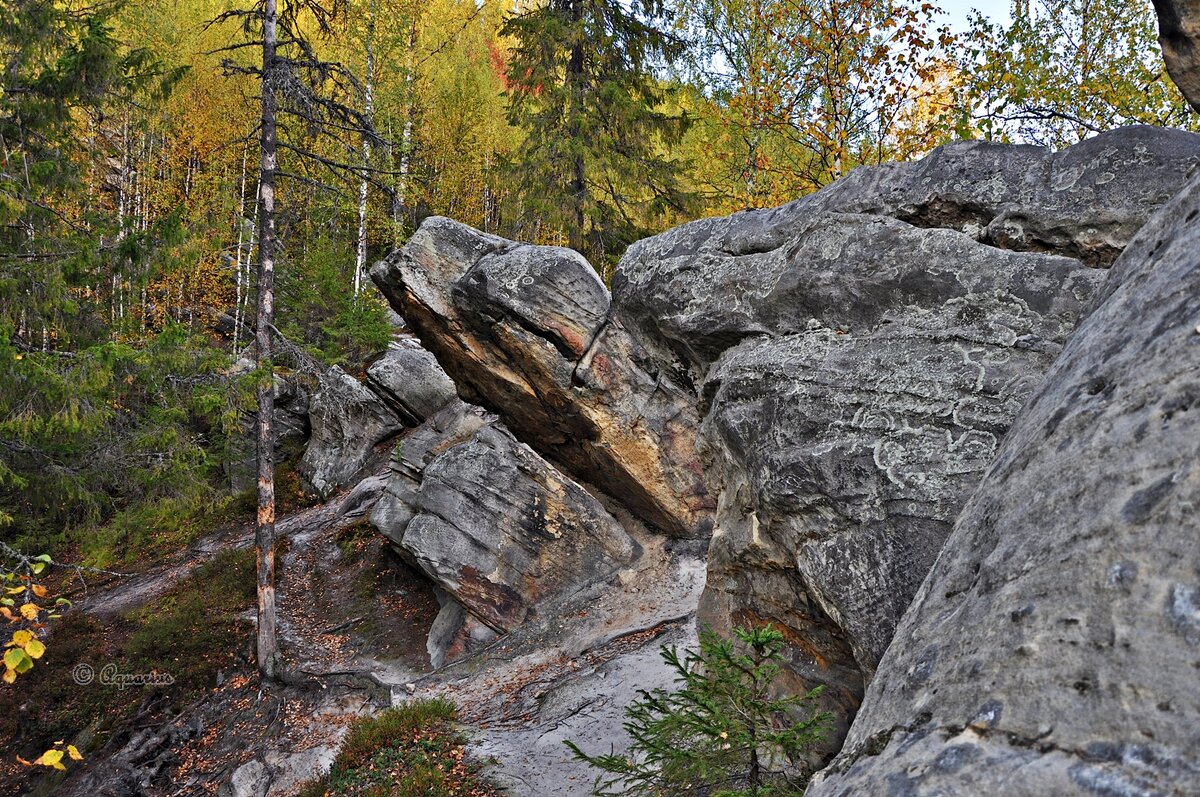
x=264 y=530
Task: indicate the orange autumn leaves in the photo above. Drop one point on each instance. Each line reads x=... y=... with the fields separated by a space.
x=24 y=604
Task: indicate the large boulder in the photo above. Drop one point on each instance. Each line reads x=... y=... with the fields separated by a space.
x=857 y=370
x=526 y=332
x=844 y=454
x=695 y=291
x=350 y=418
x=1055 y=646
x=494 y=525
x=827 y=381
x=410 y=381
x=1179 y=37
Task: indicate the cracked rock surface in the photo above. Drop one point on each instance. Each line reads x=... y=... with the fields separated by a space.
x=526 y=332
x=820 y=386
x=491 y=523
x=858 y=356
x=1054 y=647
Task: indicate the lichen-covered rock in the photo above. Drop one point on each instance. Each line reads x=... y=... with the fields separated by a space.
x=1054 y=647
x=1179 y=37
x=525 y=331
x=828 y=380
x=860 y=353
x=410 y=381
x=844 y=454
x=493 y=524
x=694 y=291
x=348 y=421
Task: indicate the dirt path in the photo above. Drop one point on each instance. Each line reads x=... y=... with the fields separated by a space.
x=118 y=596
x=570 y=673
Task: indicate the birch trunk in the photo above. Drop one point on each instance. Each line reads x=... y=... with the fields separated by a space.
x=264 y=530
x=406 y=133
x=360 y=261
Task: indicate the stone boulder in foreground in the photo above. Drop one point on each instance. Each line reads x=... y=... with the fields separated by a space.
x=856 y=371
x=822 y=385
x=1055 y=646
x=497 y=528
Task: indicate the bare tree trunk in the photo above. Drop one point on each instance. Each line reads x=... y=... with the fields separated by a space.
x=360 y=262
x=264 y=530
x=406 y=135
x=237 y=263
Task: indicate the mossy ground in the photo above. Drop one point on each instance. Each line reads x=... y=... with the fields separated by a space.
x=414 y=750
x=190 y=633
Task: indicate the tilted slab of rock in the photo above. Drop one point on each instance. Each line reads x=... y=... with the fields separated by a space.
x=1055 y=646
x=1179 y=37
x=491 y=522
x=525 y=331
x=350 y=418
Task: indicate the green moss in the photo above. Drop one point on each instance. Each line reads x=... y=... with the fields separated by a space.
x=413 y=750
x=190 y=633
x=146 y=530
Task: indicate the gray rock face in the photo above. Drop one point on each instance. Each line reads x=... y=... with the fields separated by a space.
x=492 y=523
x=525 y=331
x=410 y=381
x=694 y=291
x=857 y=370
x=1054 y=647
x=348 y=421
x=845 y=454
x=828 y=380
x=291 y=416
x=1179 y=37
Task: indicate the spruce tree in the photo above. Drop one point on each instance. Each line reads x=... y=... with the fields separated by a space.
x=722 y=733
x=582 y=85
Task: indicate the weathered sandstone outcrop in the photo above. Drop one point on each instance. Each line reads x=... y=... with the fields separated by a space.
x=526 y=332
x=856 y=372
x=410 y=381
x=348 y=420
x=1054 y=647
x=1179 y=37
x=697 y=290
x=838 y=372
x=493 y=524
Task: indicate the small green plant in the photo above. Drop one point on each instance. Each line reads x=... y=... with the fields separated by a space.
x=721 y=733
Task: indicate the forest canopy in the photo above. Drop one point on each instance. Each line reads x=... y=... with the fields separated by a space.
x=130 y=138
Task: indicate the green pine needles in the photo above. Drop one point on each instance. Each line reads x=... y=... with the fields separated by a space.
x=721 y=733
